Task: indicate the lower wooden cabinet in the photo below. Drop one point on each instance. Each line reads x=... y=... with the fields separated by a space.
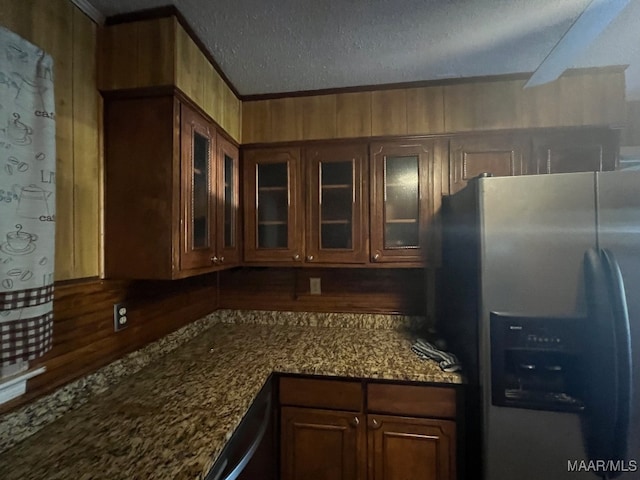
x=321 y=444
x=361 y=444
x=410 y=448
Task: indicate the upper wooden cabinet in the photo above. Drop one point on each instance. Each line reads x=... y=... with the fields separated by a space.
x=273 y=208
x=583 y=150
x=401 y=201
x=164 y=193
x=312 y=215
x=501 y=155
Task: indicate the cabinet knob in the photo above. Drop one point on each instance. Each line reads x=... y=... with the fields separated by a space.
x=355 y=422
x=376 y=256
x=221 y=259
x=375 y=424
x=296 y=257
x=310 y=258
x=214 y=259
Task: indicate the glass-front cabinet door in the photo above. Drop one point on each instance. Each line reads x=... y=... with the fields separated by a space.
x=273 y=206
x=401 y=211
x=198 y=241
x=337 y=204
x=228 y=201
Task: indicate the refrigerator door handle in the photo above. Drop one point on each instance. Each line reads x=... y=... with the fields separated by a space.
x=608 y=357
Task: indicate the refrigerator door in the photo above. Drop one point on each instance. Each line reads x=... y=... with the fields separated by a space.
x=534 y=232
x=608 y=362
x=619 y=231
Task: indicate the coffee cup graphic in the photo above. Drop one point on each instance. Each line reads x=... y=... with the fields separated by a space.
x=19 y=242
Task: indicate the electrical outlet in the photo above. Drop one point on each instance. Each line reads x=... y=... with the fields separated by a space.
x=120 y=318
x=314 y=286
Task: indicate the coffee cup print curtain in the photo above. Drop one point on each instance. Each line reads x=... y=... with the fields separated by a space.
x=27 y=199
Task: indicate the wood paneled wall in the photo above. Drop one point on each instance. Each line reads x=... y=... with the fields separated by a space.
x=159 y=52
x=83 y=336
x=343 y=290
x=631 y=133
x=594 y=97
x=70 y=37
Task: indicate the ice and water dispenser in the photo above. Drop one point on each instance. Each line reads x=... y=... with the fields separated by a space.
x=536 y=362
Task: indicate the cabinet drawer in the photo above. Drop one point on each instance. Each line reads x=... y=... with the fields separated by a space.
x=411 y=400
x=310 y=392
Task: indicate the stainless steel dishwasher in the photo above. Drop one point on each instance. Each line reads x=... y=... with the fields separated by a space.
x=250 y=453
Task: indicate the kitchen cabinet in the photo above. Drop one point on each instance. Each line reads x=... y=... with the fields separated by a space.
x=273 y=208
x=501 y=155
x=168 y=212
x=401 y=201
x=401 y=431
x=576 y=150
x=312 y=215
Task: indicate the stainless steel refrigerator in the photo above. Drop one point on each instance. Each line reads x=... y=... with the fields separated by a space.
x=541 y=289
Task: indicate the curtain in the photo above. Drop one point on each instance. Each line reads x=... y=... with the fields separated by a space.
x=27 y=199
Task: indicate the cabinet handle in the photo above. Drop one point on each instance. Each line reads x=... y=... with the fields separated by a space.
x=375 y=424
x=214 y=259
x=355 y=421
x=376 y=256
x=221 y=259
x=296 y=257
x=310 y=258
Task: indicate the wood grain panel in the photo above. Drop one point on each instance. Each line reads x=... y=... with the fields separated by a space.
x=481 y=106
x=84 y=339
x=256 y=121
x=189 y=66
x=286 y=119
x=419 y=401
x=318 y=117
x=539 y=106
x=389 y=112
x=118 y=48
x=425 y=110
x=343 y=290
x=86 y=166
x=353 y=114
x=631 y=134
x=155 y=52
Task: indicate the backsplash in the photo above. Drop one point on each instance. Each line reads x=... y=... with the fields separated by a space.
x=17 y=425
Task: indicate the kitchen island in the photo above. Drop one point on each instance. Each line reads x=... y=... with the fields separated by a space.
x=172 y=419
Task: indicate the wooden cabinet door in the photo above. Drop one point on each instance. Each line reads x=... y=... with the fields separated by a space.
x=501 y=155
x=228 y=203
x=401 y=448
x=337 y=220
x=273 y=206
x=401 y=201
x=583 y=150
x=198 y=153
x=322 y=445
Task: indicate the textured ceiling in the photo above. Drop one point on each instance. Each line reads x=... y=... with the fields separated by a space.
x=268 y=46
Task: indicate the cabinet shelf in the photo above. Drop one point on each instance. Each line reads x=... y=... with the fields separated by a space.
x=337 y=186
x=335 y=222
x=402 y=220
x=402 y=185
x=272 y=189
x=273 y=222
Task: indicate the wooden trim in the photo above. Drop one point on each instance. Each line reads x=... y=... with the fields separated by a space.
x=423 y=83
x=90 y=11
x=168 y=11
x=409 y=138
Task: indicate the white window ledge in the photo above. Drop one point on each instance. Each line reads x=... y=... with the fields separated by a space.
x=15 y=386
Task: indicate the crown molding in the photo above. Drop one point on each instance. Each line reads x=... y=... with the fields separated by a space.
x=90 y=11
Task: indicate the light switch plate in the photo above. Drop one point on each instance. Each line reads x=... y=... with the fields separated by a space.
x=314 y=286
